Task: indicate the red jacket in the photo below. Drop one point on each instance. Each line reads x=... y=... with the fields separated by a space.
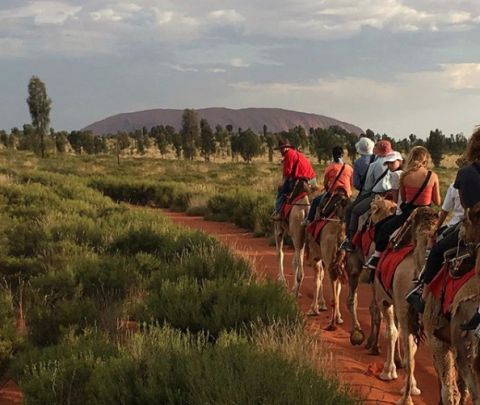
x=302 y=169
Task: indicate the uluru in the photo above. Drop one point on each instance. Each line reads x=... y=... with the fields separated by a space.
x=276 y=120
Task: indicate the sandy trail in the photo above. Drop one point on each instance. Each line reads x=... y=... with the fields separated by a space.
x=353 y=364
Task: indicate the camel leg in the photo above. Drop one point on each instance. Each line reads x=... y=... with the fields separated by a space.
x=389 y=369
x=333 y=326
x=318 y=303
x=338 y=316
x=410 y=386
x=299 y=273
x=356 y=333
x=444 y=366
x=376 y=320
x=279 y=247
x=464 y=361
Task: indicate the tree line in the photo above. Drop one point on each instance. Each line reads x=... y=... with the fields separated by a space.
x=197 y=138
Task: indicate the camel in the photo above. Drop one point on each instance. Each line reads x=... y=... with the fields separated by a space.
x=394 y=307
x=296 y=231
x=324 y=255
x=380 y=209
x=455 y=352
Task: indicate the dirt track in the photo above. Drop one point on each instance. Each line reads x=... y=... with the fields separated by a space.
x=353 y=364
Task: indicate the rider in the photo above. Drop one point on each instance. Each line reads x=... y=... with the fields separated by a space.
x=418 y=188
x=376 y=182
x=468 y=185
x=296 y=166
x=364 y=148
x=337 y=175
x=451 y=204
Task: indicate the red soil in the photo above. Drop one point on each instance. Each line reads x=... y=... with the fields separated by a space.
x=353 y=364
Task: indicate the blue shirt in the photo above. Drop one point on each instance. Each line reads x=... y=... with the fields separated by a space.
x=360 y=168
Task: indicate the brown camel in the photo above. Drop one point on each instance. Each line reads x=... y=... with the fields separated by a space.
x=380 y=209
x=455 y=352
x=296 y=231
x=323 y=254
x=394 y=307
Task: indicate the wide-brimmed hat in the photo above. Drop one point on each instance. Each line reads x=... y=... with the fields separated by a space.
x=364 y=146
x=382 y=148
x=283 y=144
x=392 y=157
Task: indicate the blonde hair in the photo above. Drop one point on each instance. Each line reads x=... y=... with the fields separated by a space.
x=417 y=158
x=472 y=153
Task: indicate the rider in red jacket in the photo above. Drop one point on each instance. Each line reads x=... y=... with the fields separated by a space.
x=296 y=166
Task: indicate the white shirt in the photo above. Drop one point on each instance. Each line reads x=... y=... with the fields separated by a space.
x=375 y=170
x=452 y=204
x=395 y=182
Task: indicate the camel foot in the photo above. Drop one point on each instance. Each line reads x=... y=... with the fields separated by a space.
x=388 y=375
x=374 y=351
x=405 y=401
x=313 y=312
x=322 y=307
x=357 y=337
x=339 y=321
x=282 y=280
x=369 y=343
x=330 y=328
x=414 y=391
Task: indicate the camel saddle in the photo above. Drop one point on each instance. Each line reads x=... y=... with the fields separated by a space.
x=287 y=206
x=389 y=262
x=444 y=287
x=363 y=239
x=315 y=228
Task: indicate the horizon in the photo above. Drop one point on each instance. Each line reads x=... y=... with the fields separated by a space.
x=394 y=66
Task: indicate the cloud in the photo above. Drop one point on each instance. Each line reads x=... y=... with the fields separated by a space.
x=106 y=14
x=42 y=12
x=463 y=76
x=217 y=70
x=179 y=68
x=11 y=47
x=238 y=63
x=227 y=16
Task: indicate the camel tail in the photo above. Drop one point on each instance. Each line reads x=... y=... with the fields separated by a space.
x=415 y=325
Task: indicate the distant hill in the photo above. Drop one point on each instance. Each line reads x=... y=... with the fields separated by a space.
x=276 y=120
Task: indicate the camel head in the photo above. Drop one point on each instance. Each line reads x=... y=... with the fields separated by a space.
x=381 y=208
x=472 y=225
x=471 y=234
x=424 y=223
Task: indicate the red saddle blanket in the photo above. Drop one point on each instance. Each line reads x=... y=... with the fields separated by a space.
x=315 y=228
x=363 y=239
x=389 y=262
x=444 y=287
x=287 y=207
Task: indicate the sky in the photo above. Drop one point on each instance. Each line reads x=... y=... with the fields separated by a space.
x=395 y=66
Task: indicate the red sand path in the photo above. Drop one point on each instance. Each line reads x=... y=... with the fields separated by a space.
x=353 y=364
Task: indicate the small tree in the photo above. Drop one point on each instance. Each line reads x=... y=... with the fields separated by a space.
x=39 y=105
x=249 y=145
x=207 y=140
x=436 y=146
x=190 y=133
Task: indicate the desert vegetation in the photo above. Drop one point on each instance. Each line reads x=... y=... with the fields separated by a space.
x=105 y=302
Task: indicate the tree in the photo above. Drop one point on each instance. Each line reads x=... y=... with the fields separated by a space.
x=61 y=141
x=190 y=133
x=39 y=105
x=436 y=146
x=207 y=140
x=249 y=145
x=222 y=138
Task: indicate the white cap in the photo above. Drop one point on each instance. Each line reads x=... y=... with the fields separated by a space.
x=364 y=146
x=392 y=157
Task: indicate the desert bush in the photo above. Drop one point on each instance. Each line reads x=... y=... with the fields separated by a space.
x=165 y=366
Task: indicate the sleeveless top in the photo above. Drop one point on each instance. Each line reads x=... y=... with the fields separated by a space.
x=424 y=199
